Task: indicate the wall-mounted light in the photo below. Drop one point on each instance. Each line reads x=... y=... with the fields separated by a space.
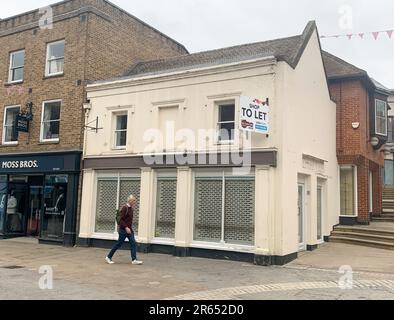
x=374 y=142
x=356 y=125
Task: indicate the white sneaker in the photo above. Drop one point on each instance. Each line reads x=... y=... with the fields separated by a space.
x=109 y=261
x=137 y=263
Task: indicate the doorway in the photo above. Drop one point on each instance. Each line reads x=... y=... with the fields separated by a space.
x=24 y=205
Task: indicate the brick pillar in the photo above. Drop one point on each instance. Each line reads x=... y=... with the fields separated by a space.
x=377 y=191
x=362 y=191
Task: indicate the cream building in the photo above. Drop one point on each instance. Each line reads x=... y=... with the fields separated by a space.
x=254 y=197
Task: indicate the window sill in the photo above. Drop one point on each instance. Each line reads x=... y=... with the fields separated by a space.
x=58 y=75
x=10 y=84
x=48 y=142
x=5 y=145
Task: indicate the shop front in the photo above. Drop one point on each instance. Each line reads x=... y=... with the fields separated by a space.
x=38 y=196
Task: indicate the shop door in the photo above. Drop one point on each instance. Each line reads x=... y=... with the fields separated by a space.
x=35 y=205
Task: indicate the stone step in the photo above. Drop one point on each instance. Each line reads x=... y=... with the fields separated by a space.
x=387 y=215
x=362 y=242
x=385 y=210
x=365 y=236
x=383 y=219
x=361 y=230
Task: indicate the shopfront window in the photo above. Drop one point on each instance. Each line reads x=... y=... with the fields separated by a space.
x=166 y=208
x=3 y=202
x=389 y=172
x=347 y=190
x=112 y=193
x=224 y=210
x=55 y=207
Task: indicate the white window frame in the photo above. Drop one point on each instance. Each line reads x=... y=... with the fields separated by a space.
x=10 y=71
x=48 y=60
x=376 y=117
x=42 y=121
x=218 y=104
x=115 y=131
x=10 y=143
x=355 y=214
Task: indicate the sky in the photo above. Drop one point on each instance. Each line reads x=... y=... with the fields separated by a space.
x=202 y=25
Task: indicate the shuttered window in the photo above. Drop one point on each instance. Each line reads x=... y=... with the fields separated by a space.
x=166 y=208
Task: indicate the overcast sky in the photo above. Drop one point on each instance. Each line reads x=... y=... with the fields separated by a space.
x=208 y=24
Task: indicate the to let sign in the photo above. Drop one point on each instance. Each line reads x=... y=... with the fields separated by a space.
x=254 y=115
x=22 y=123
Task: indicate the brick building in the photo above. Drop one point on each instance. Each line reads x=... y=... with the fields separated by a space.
x=46 y=58
x=361 y=134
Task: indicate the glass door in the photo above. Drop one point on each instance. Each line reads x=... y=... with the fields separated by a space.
x=301 y=216
x=35 y=205
x=17 y=207
x=3 y=201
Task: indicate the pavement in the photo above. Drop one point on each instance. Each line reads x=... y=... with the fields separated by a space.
x=81 y=274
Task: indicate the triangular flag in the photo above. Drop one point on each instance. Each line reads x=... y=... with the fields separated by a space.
x=390 y=33
x=375 y=35
x=361 y=35
x=349 y=36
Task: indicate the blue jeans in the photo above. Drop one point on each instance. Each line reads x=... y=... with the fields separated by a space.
x=122 y=238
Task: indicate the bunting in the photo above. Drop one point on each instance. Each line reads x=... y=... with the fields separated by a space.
x=375 y=35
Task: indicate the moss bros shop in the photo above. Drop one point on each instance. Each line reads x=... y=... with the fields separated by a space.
x=38 y=196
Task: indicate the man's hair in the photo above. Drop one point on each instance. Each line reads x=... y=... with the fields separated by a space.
x=131 y=197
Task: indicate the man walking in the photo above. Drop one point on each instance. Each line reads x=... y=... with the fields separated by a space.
x=126 y=232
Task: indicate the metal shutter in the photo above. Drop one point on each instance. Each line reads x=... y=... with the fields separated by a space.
x=208 y=210
x=166 y=208
x=107 y=191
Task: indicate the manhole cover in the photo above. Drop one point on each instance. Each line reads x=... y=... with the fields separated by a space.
x=12 y=267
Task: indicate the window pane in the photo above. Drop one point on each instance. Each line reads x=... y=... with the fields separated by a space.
x=17 y=74
x=10 y=134
x=131 y=187
x=56 y=50
x=208 y=210
x=226 y=131
x=107 y=191
x=121 y=138
x=55 y=202
x=121 y=122
x=56 y=66
x=166 y=208
x=52 y=111
x=51 y=130
x=239 y=211
x=389 y=172
x=380 y=108
x=319 y=213
x=227 y=113
x=347 y=192
x=18 y=59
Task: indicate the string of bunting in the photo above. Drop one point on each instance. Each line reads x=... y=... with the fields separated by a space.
x=362 y=35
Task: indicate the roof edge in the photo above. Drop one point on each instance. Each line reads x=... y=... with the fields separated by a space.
x=305 y=36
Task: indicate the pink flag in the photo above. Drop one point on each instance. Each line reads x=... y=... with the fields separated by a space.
x=361 y=35
x=375 y=35
x=390 y=33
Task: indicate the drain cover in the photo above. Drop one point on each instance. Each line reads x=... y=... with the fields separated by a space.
x=12 y=267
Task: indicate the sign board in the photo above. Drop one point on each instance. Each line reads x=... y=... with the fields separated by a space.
x=22 y=123
x=254 y=115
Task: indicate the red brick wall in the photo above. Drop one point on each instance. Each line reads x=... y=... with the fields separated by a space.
x=353 y=146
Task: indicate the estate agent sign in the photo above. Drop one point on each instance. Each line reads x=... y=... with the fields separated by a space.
x=254 y=115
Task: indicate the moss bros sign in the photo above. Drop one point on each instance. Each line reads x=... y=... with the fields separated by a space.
x=254 y=115
x=31 y=164
x=22 y=123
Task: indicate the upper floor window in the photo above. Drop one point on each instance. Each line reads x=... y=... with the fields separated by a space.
x=226 y=123
x=17 y=66
x=390 y=131
x=381 y=117
x=120 y=131
x=10 y=136
x=50 y=124
x=55 y=58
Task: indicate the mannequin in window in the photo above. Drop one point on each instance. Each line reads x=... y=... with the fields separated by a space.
x=14 y=218
x=60 y=205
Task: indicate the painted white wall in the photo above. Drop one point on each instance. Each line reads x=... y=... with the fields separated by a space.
x=302 y=121
x=307 y=126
